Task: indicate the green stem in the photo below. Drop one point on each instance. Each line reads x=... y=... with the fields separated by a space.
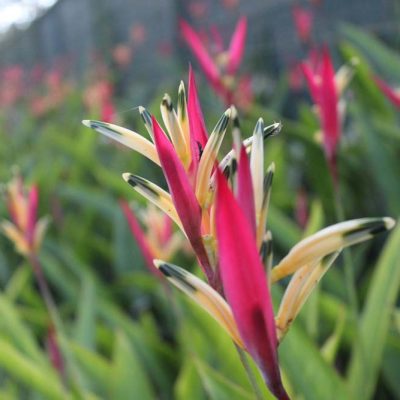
x=348 y=263
x=250 y=374
x=54 y=317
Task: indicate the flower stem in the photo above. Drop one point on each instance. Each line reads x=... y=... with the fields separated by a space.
x=54 y=317
x=348 y=262
x=250 y=373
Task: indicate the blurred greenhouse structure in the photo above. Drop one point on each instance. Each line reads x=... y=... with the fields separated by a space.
x=74 y=33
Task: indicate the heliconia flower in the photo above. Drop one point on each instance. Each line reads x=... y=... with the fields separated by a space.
x=227 y=227
x=158 y=240
x=303 y=21
x=245 y=310
x=325 y=88
x=25 y=230
x=221 y=66
x=392 y=94
x=187 y=155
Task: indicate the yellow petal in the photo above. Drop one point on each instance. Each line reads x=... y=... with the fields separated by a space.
x=174 y=130
x=204 y=295
x=299 y=289
x=183 y=116
x=208 y=158
x=40 y=230
x=126 y=137
x=328 y=241
x=257 y=166
x=16 y=236
x=155 y=194
x=262 y=218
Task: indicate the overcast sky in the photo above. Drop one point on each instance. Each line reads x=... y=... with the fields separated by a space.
x=20 y=12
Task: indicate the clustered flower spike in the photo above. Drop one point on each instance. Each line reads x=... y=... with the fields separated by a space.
x=159 y=239
x=325 y=88
x=220 y=66
x=25 y=230
x=222 y=208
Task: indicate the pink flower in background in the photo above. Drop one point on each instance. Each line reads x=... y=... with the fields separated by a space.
x=303 y=21
x=50 y=92
x=158 y=240
x=321 y=82
x=98 y=98
x=122 y=55
x=295 y=76
x=230 y=4
x=392 y=94
x=197 y=8
x=138 y=34
x=301 y=208
x=11 y=85
x=221 y=67
x=24 y=229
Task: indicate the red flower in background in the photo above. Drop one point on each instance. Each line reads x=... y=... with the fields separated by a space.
x=320 y=77
x=11 y=85
x=392 y=94
x=303 y=21
x=221 y=67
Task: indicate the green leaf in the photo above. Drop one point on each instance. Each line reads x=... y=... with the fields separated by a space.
x=188 y=384
x=17 y=333
x=85 y=323
x=42 y=379
x=309 y=374
x=384 y=163
x=127 y=376
x=18 y=281
x=284 y=230
x=384 y=58
x=375 y=321
x=218 y=387
x=391 y=366
x=95 y=366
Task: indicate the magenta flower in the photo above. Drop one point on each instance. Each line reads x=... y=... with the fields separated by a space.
x=25 y=229
x=243 y=278
x=227 y=227
x=303 y=22
x=158 y=240
x=322 y=86
x=392 y=94
x=221 y=66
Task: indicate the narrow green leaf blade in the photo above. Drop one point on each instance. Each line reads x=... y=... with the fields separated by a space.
x=375 y=321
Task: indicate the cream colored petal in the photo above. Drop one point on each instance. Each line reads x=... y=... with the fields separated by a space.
x=126 y=137
x=183 y=116
x=344 y=75
x=40 y=230
x=230 y=157
x=15 y=236
x=328 y=241
x=155 y=194
x=299 y=289
x=174 y=130
x=208 y=158
x=146 y=117
x=257 y=166
x=204 y=295
x=262 y=218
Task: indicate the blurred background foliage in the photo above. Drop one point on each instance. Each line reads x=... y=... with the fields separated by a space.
x=128 y=335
